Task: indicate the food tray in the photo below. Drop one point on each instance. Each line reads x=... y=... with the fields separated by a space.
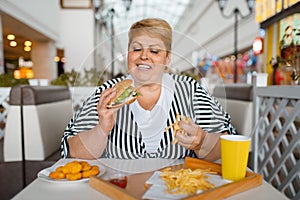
x=136 y=186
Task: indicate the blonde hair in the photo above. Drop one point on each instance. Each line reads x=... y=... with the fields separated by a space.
x=153 y=26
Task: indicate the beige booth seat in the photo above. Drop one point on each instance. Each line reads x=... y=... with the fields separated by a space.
x=46 y=111
x=237 y=101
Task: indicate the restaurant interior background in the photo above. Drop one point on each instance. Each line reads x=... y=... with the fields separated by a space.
x=65 y=35
x=83 y=42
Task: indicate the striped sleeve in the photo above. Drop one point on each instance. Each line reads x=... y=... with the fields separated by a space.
x=209 y=114
x=85 y=118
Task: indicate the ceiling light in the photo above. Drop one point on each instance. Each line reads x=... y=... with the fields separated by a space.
x=56 y=59
x=222 y=4
x=27 y=43
x=17 y=74
x=13 y=43
x=27 y=48
x=11 y=37
x=127 y=4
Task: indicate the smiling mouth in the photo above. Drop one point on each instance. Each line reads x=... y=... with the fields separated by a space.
x=144 y=67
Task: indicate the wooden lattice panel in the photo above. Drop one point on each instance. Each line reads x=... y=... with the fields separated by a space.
x=276 y=140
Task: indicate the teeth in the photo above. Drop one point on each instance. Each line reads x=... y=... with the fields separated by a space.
x=144 y=66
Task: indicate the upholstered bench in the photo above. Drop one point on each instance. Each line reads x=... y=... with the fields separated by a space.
x=237 y=100
x=46 y=112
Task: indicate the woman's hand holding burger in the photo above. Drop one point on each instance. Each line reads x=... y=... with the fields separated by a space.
x=106 y=116
x=111 y=100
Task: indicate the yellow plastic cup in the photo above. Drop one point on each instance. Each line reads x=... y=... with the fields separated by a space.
x=234 y=156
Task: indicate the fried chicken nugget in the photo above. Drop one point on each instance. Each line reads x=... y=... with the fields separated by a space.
x=57 y=175
x=85 y=166
x=72 y=168
x=59 y=169
x=92 y=172
x=74 y=176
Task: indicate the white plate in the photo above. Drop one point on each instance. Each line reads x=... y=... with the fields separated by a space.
x=44 y=174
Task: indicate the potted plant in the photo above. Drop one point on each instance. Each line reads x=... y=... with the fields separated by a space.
x=81 y=85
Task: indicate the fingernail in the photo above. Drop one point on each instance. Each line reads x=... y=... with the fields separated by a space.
x=113 y=94
x=178 y=134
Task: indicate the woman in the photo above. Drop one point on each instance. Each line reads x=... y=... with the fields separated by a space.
x=138 y=130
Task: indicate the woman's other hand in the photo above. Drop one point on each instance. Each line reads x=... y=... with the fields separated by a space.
x=191 y=135
x=205 y=145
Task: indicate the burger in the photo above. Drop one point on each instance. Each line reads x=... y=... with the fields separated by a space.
x=125 y=94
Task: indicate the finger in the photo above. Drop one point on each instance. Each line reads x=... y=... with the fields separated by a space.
x=184 y=140
x=189 y=141
x=184 y=144
x=106 y=96
x=190 y=127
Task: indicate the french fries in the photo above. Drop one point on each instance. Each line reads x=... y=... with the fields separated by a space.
x=176 y=126
x=186 y=181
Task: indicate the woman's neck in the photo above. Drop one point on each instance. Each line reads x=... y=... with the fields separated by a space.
x=149 y=95
x=149 y=87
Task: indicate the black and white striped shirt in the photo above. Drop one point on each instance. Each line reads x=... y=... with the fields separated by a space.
x=125 y=140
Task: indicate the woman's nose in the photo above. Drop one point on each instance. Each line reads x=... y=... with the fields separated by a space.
x=144 y=54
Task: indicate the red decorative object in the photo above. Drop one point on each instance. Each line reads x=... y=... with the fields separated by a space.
x=258 y=45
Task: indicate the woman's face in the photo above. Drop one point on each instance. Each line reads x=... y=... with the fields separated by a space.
x=147 y=58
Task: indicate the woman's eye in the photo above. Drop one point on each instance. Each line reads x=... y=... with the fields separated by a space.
x=137 y=49
x=154 y=51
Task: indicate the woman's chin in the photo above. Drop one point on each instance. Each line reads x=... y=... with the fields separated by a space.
x=144 y=77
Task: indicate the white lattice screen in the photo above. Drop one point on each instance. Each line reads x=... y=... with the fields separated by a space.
x=276 y=140
x=4 y=105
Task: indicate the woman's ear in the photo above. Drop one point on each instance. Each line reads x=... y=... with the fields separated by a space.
x=168 y=60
